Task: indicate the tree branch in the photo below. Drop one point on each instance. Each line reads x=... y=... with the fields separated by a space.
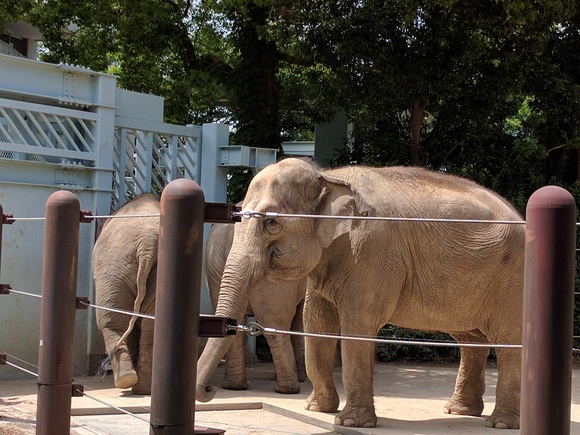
x=295 y=60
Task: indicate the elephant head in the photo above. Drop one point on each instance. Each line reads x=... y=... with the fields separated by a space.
x=276 y=249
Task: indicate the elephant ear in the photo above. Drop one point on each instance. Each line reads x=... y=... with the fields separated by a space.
x=337 y=199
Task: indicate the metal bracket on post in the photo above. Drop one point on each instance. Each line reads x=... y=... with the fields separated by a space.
x=78 y=390
x=214 y=326
x=221 y=213
x=86 y=217
x=82 y=303
x=7 y=219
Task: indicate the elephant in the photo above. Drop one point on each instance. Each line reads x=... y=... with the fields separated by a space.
x=124 y=271
x=465 y=279
x=275 y=305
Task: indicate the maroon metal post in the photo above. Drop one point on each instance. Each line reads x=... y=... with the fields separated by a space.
x=57 y=314
x=548 y=312
x=177 y=308
x=4 y=219
x=1 y=224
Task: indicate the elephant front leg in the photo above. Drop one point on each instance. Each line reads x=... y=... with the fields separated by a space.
x=467 y=397
x=235 y=368
x=357 y=375
x=320 y=316
x=283 y=356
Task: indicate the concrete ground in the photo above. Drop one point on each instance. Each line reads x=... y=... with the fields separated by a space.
x=409 y=399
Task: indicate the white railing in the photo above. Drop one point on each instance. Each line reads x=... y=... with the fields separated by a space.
x=30 y=131
x=148 y=155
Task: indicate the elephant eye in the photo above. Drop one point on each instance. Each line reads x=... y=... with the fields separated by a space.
x=272 y=226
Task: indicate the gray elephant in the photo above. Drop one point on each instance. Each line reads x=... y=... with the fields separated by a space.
x=465 y=279
x=275 y=305
x=125 y=271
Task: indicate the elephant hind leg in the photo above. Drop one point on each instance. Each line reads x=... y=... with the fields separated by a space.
x=235 y=368
x=144 y=350
x=506 y=414
x=283 y=356
x=124 y=374
x=467 y=398
x=298 y=343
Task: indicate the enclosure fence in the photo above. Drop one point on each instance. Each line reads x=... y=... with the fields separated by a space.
x=551 y=218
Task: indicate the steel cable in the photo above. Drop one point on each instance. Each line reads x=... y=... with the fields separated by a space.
x=124 y=411
x=255 y=329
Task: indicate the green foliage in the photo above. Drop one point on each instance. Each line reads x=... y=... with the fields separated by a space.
x=238 y=182
x=392 y=352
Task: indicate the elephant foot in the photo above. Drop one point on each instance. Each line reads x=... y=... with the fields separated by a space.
x=124 y=374
x=459 y=406
x=141 y=389
x=322 y=402
x=500 y=420
x=235 y=384
x=126 y=379
x=288 y=388
x=352 y=416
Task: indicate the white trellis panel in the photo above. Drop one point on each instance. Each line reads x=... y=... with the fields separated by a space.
x=37 y=132
x=148 y=155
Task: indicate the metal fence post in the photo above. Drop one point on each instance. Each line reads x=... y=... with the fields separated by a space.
x=177 y=308
x=57 y=314
x=550 y=262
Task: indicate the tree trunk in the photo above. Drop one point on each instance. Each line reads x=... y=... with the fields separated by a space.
x=416 y=157
x=255 y=87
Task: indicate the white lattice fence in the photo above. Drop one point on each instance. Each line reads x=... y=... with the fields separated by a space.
x=149 y=155
x=30 y=131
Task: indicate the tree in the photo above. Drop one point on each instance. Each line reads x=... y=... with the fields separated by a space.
x=436 y=83
x=211 y=60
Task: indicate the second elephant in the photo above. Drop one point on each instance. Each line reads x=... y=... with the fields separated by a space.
x=275 y=305
x=125 y=272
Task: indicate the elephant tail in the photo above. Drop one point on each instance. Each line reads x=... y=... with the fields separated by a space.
x=145 y=266
x=104 y=367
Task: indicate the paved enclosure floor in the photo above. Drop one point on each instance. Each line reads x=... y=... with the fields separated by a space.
x=409 y=400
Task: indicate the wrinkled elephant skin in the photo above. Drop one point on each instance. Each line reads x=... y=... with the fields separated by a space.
x=274 y=305
x=459 y=278
x=125 y=271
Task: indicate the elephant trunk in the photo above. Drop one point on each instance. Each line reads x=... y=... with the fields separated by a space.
x=214 y=351
x=239 y=276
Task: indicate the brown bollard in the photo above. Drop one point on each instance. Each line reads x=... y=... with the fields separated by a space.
x=177 y=308
x=2 y=286
x=550 y=262
x=57 y=314
x=1 y=225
